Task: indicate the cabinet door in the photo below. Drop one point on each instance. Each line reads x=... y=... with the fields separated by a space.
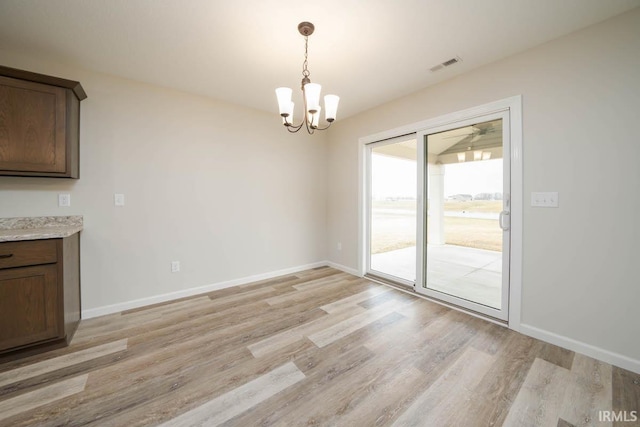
x=29 y=305
x=32 y=127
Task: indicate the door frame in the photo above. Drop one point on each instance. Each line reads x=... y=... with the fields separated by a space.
x=514 y=107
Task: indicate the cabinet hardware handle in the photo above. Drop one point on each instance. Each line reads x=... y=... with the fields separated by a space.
x=6 y=256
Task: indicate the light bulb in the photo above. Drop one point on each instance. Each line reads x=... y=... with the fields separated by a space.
x=284 y=100
x=312 y=95
x=331 y=107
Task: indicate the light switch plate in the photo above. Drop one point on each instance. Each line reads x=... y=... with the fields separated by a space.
x=175 y=266
x=64 y=200
x=544 y=200
x=118 y=199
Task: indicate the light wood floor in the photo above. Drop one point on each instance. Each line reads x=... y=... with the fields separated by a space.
x=319 y=347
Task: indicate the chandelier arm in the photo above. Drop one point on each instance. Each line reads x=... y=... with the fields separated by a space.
x=310 y=129
x=296 y=128
x=326 y=127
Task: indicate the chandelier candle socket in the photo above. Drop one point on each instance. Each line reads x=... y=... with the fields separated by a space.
x=310 y=96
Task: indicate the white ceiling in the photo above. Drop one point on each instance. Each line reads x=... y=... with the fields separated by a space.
x=368 y=52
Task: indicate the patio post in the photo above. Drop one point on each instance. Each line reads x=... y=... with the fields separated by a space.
x=436 y=204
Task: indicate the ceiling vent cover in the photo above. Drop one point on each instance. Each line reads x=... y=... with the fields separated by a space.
x=446 y=63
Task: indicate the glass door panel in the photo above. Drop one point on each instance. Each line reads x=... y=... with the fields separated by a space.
x=466 y=224
x=392 y=209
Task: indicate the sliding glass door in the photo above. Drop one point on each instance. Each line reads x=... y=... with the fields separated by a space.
x=391 y=209
x=464 y=227
x=438 y=213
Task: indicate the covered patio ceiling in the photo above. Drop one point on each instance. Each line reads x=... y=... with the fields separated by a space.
x=443 y=147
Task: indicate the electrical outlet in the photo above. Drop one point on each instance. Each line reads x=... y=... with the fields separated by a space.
x=64 y=200
x=118 y=199
x=175 y=266
x=339 y=246
x=544 y=200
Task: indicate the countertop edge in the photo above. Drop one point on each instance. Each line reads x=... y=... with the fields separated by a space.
x=17 y=235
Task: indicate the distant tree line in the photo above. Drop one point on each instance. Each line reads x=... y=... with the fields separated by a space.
x=479 y=196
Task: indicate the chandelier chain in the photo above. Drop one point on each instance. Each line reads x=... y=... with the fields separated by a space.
x=305 y=64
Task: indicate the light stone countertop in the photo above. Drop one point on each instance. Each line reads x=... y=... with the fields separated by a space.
x=35 y=228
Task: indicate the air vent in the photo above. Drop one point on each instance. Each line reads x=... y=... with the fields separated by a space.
x=446 y=63
x=450 y=62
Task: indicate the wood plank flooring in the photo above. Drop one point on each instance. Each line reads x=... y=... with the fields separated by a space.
x=319 y=347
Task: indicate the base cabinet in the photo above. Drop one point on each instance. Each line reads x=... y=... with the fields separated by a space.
x=39 y=292
x=29 y=306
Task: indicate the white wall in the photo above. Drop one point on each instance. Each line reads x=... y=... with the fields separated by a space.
x=581 y=104
x=223 y=189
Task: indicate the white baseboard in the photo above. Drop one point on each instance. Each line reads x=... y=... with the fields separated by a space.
x=612 y=358
x=342 y=268
x=128 y=305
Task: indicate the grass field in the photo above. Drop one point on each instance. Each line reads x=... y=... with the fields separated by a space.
x=394 y=225
x=473 y=233
x=474 y=206
x=449 y=206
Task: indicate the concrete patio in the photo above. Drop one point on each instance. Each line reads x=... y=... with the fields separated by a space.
x=468 y=273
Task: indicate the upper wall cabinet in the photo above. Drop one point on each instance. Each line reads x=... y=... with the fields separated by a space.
x=39 y=124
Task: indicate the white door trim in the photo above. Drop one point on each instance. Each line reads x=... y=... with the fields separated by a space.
x=514 y=106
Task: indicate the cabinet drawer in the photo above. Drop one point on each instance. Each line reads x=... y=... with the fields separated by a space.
x=28 y=252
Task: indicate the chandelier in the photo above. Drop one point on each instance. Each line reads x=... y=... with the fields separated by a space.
x=310 y=96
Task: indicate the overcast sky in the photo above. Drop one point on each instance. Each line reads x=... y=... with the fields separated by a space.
x=394 y=177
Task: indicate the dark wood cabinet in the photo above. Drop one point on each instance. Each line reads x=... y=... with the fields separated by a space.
x=39 y=124
x=29 y=306
x=39 y=292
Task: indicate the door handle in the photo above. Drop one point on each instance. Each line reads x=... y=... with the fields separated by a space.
x=504 y=220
